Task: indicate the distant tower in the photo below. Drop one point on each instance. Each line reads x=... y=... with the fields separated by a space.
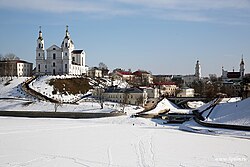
x=242 y=67
x=224 y=73
x=67 y=48
x=198 y=70
x=40 y=57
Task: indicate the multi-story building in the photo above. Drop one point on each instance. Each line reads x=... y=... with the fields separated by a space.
x=186 y=92
x=17 y=68
x=59 y=60
x=234 y=75
x=142 y=78
x=123 y=75
x=132 y=96
x=166 y=88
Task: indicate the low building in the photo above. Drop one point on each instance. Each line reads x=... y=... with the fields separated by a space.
x=189 y=79
x=162 y=78
x=186 y=92
x=95 y=72
x=151 y=92
x=166 y=88
x=123 y=76
x=17 y=68
x=142 y=78
x=133 y=96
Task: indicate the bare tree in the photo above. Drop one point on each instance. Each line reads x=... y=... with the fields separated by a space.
x=57 y=105
x=10 y=56
x=103 y=66
x=1 y=57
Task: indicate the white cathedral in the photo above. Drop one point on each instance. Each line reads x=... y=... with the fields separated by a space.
x=59 y=60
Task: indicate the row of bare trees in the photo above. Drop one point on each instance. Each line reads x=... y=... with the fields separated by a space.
x=9 y=56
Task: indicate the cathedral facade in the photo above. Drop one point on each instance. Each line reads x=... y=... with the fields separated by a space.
x=233 y=75
x=59 y=60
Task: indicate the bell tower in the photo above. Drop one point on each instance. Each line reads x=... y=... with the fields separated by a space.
x=67 y=48
x=198 y=70
x=242 y=67
x=40 y=57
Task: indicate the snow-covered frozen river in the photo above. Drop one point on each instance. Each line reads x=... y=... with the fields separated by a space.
x=119 y=141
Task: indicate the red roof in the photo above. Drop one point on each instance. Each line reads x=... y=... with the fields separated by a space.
x=164 y=83
x=139 y=73
x=124 y=72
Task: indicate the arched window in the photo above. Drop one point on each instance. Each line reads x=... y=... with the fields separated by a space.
x=54 y=64
x=54 y=56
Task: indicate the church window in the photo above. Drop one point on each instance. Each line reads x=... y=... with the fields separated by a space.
x=73 y=58
x=39 y=45
x=39 y=54
x=65 y=54
x=45 y=66
x=54 y=48
x=54 y=64
x=66 y=66
x=54 y=56
x=66 y=44
x=39 y=66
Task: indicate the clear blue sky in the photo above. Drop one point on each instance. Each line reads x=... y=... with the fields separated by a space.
x=161 y=36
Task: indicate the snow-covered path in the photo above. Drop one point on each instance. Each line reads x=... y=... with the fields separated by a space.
x=111 y=142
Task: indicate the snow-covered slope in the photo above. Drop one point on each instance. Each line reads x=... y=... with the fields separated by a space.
x=11 y=87
x=235 y=113
x=230 y=111
x=41 y=85
x=166 y=105
x=20 y=101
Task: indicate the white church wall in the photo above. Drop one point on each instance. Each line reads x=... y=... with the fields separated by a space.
x=59 y=60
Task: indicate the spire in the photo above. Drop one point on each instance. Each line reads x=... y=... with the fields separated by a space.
x=242 y=67
x=40 y=33
x=67 y=41
x=67 y=31
x=242 y=61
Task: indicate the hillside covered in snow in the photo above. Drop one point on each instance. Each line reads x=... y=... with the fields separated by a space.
x=116 y=141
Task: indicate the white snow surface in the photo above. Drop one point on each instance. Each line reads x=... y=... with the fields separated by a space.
x=230 y=111
x=166 y=105
x=13 y=89
x=195 y=104
x=20 y=101
x=119 y=141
